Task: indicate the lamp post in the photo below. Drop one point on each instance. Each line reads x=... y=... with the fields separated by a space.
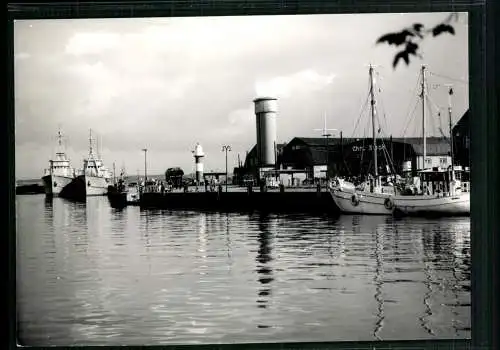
x=145 y=150
x=226 y=148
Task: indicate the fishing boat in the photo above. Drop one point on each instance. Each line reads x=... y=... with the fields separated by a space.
x=95 y=176
x=370 y=197
x=123 y=193
x=60 y=173
x=441 y=194
x=93 y=180
x=437 y=191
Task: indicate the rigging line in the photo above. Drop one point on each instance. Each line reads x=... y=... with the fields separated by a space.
x=360 y=115
x=417 y=84
x=439 y=119
x=410 y=116
x=386 y=152
x=364 y=107
x=450 y=78
x=388 y=159
x=382 y=105
x=382 y=109
x=410 y=120
x=438 y=109
x=429 y=110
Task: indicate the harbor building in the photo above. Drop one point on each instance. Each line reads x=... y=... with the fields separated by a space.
x=461 y=138
x=352 y=156
x=305 y=159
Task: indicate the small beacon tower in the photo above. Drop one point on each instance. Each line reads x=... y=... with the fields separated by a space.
x=265 y=113
x=198 y=160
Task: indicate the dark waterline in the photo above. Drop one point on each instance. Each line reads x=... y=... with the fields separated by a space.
x=90 y=274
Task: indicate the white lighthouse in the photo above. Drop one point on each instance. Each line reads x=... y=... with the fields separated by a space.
x=198 y=160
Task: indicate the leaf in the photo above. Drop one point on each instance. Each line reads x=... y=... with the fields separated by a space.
x=443 y=28
x=401 y=55
x=411 y=48
x=418 y=27
x=395 y=38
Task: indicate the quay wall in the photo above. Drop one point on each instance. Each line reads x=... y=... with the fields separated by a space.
x=298 y=202
x=30 y=189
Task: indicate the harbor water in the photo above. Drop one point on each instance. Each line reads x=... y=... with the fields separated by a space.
x=89 y=274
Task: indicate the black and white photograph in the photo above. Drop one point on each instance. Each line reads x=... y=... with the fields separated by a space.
x=242 y=179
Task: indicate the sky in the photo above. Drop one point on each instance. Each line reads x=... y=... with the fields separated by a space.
x=167 y=83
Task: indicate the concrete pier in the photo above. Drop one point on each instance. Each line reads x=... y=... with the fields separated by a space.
x=296 y=201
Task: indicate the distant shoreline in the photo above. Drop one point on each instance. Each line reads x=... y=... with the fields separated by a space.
x=27 y=182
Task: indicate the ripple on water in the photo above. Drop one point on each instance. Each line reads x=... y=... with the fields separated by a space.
x=98 y=276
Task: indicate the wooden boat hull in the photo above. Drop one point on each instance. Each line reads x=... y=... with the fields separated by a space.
x=425 y=205
x=357 y=202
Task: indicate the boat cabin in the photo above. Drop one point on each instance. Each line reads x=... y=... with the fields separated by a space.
x=437 y=181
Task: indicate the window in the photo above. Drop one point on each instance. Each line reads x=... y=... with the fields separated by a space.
x=428 y=161
x=443 y=161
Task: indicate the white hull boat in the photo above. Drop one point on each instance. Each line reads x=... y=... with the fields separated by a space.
x=95 y=176
x=60 y=173
x=458 y=204
x=54 y=184
x=363 y=202
x=372 y=198
x=352 y=201
x=442 y=191
x=95 y=185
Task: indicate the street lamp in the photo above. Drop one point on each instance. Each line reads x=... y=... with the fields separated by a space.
x=226 y=148
x=145 y=150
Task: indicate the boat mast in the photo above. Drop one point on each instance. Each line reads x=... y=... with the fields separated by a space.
x=59 y=138
x=90 y=142
x=450 y=93
x=60 y=150
x=374 y=135
x=97 y=147
x=423 y=118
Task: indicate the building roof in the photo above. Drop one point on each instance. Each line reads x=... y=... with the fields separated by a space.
x=316 y=147
x=435 y=145
x=462 y=124
x=321 y=141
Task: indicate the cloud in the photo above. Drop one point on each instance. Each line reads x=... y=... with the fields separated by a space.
x=307 y=80
x=91 y=43
x=167 y=83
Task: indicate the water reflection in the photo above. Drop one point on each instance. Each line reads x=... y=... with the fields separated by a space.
x=263 y=259
x=202 y=235
x=379 y=281
x=49 y=210
x=138 y=276
x=228 y=240
x=428 y=282
x=48 y=200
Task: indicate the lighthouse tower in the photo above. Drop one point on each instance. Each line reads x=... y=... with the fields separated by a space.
x=198 y=159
